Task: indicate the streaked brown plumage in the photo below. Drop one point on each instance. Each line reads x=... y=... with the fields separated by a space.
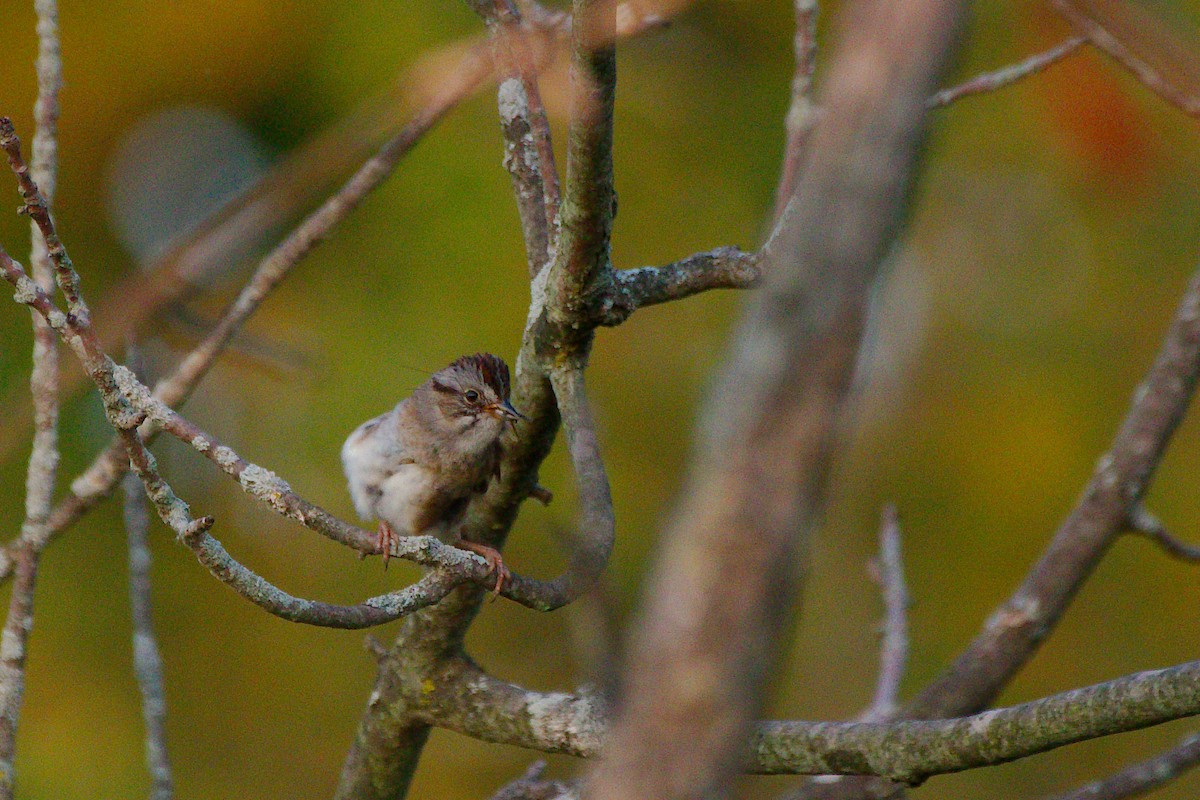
x=416 y=467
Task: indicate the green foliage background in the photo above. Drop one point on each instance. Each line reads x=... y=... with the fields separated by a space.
x=1054 y=228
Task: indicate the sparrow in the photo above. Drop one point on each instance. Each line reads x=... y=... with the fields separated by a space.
x=416 y=467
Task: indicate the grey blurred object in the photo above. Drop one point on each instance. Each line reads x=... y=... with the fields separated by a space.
x=173 y=170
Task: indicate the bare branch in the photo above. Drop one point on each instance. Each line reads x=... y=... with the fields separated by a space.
x=998 y=79
x=1138 y=41
x=147 y=663
x=274 y=492
x=1143 y=523
x=1142 y=777
x=44 y=385
x=374 y=611
x=466 y=699
x=802 y=114
x=893 y=650
x=1121 y=478
x=631 y=289
x=44 y=380
x=13 y=650
x=593 y=543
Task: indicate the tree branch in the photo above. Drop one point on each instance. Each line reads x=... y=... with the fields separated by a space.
x=42 y=472
x=1138 y=41
x=467 y=700
x=1121 y=478
x=147 y=663
x=631 y=289
x=13 y=650
x=582 y=269
x=1143 y=523
x=998 y=79
x=1142 y=777
x=528 y=151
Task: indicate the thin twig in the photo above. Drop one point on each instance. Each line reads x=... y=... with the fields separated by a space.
x=14 y=645
x=998 y=79
x=893 y=650
x=1138 y=41
x=1143 y=523
x=802 y=113
x=44 y=385
x=1142 y=777
x=147 y=663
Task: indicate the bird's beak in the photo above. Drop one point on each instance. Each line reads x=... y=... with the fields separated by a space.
x=505 y=411
x=506 y=408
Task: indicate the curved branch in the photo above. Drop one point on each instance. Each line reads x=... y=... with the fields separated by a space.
x=1143 y=523
x=593 y=544
x=369 y=613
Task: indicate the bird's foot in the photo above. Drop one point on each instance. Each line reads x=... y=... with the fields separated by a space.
x=495 y=563
x=385 y=542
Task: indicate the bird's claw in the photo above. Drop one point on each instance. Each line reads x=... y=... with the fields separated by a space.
x=385 y=542
x=494 y=561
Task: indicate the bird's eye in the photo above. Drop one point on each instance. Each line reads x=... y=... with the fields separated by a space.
x=471 y=395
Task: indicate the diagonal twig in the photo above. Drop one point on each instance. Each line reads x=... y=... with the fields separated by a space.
x=1012 y=634
x=1142 y=777
x=1142 y=44
x=998 y=79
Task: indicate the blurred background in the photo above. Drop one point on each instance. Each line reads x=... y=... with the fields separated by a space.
x=1052 y=233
